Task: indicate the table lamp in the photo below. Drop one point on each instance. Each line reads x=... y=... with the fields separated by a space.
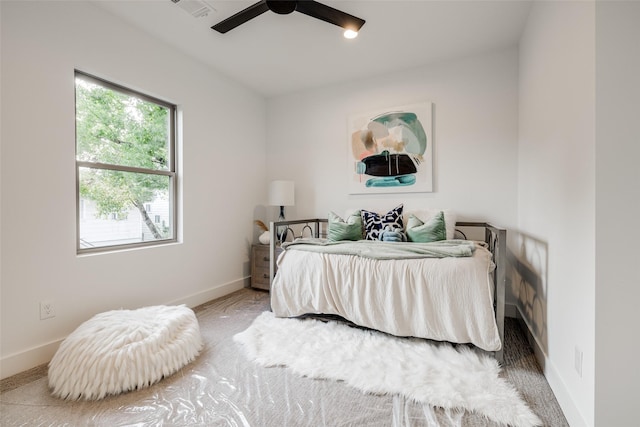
x=281 y=193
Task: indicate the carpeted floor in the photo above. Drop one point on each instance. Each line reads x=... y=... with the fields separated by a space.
x=221 y=388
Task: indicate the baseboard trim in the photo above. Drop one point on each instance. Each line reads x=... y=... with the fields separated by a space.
x=19 y=362
x=199 y=298
x=510 y=310
x=22 y=361
x=568 y=406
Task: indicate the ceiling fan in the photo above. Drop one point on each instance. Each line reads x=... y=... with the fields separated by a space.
x=284 y=7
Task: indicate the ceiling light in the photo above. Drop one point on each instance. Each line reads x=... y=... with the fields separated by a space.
x=350 y=34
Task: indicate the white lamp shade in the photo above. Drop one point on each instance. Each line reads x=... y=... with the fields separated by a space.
x=281 y=193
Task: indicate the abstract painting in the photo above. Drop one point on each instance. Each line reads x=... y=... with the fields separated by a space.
x=391 y=150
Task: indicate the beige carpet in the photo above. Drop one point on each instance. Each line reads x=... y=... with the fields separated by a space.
x=221 y=388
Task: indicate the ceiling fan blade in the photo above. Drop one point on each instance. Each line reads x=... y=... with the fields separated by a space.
x=241 y=17
x=329 y=14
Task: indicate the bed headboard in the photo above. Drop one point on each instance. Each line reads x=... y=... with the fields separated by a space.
x=494 y=237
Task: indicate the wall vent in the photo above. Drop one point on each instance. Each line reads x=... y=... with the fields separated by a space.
x=195 y=8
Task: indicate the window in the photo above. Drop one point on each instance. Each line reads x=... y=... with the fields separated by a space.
x=125 y=167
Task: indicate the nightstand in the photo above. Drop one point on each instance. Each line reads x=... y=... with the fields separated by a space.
x=260 y=266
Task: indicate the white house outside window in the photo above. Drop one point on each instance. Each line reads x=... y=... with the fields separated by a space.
x=125 y=167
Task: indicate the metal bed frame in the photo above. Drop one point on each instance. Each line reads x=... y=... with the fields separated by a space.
x=494 y=237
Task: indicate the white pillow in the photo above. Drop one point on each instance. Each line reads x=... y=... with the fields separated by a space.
x=426 y=214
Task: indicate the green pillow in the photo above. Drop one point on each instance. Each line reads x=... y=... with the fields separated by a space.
x=339 y=229
x=424 y=232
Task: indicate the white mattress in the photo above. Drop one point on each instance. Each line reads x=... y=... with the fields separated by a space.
x=444 y=299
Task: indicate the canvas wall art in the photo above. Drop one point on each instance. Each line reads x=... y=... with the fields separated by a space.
x=391 y=150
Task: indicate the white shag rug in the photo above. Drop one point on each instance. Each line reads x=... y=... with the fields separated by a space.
x=438 y=375
x=122 y=350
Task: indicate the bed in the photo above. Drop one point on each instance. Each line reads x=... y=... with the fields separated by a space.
x=443 y=297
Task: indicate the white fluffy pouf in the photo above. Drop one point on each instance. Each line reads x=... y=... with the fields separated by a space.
x=122 y=350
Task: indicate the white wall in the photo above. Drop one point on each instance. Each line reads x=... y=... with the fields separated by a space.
x=617 y=211
x=556 y=196
x=475 y=131
x=42 y=43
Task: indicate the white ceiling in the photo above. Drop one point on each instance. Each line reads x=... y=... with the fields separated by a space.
x=275 y=54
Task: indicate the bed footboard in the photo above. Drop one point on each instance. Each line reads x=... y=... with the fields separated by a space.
x=496 y=239
x=315 y=227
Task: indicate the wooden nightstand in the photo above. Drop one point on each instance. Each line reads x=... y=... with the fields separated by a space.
x=260 y=266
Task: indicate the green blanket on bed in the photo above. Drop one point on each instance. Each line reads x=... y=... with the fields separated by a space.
x=376 y=249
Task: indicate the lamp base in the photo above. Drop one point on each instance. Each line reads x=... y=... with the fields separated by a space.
x=281 y=231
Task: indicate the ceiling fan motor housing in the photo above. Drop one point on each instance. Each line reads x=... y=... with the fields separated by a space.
x=282 y=7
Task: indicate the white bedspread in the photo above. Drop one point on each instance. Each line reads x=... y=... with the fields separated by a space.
x=444 y=299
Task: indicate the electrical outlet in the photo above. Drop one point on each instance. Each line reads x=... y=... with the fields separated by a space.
x=578 y=361
x=47 y=310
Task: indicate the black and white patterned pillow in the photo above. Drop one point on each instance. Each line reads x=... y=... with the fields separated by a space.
x=374 y=222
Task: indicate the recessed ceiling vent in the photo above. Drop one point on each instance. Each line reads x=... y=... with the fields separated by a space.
x=195 y=8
